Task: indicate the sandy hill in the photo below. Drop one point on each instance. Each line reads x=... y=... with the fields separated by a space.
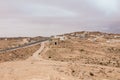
x=72 y=56
x=8 y=42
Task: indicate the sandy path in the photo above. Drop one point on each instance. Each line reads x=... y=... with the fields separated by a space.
x=36 y=54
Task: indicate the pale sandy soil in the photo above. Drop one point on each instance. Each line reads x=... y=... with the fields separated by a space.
x=9 y=43
x=19 y=54
x=37 y=68
x=55 y=70
x=71 y=60
x=33 y=68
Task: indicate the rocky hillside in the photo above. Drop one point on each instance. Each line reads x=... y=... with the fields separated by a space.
x=92 y=48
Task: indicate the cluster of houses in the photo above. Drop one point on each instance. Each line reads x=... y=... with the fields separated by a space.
x=55 y=40
x=91 y=36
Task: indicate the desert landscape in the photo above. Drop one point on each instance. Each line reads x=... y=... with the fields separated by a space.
x=72 y=56
x=59 y=39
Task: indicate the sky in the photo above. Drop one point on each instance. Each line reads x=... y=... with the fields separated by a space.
x=51 y=17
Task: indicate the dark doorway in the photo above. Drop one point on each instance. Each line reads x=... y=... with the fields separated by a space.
x=55 y=43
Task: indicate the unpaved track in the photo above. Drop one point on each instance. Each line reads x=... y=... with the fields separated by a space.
x=36 y=54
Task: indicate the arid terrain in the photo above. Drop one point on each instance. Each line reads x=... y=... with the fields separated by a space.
x=71 y=56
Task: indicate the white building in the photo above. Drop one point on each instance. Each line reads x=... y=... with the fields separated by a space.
x=62 y=38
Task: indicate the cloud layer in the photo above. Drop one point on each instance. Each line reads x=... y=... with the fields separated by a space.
x=49 y=17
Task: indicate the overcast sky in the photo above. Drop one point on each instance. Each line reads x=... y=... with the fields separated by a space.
x=49 y=17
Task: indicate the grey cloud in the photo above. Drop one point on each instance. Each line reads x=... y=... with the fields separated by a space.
x=26 y=18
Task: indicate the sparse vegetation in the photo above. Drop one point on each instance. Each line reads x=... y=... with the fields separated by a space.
x=20 y=54
x=75 y=58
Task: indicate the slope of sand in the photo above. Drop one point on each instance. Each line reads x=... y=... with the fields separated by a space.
x=73 y=59
x=33 y=68
x=37 y=68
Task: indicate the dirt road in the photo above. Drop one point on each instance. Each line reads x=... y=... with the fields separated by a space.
x=36 y=54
